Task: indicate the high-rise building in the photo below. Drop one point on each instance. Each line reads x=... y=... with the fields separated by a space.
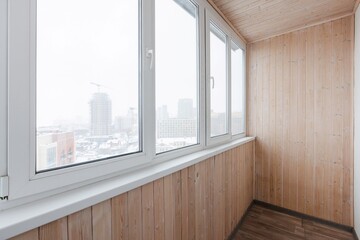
x=100 y=114
x=55 y=149
x=185 y=108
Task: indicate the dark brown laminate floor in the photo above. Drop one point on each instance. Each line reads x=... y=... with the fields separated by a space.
x=262 y=223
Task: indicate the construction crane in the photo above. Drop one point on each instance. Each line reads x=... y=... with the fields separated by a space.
x=97 y=85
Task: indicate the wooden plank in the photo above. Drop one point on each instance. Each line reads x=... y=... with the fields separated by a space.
x=169 y=203
x=279 y=121
x=54 y=230
x=135 y=214
x=219 y=197
x=209 y=197
x=159 y=209
x=192 y=208
x=301 y=126
x=200 y=201
x=119 y=217
x=272 y=122
x=293 y=157
x=29 y=235
x=176 y=181
x=80 y=225
x=285 y=201
x=101 y=220
x=184 y=203
x=147 y=194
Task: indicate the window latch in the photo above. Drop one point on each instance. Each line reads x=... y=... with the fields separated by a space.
x=4 y=188
x=212 y=79
x=150 y=55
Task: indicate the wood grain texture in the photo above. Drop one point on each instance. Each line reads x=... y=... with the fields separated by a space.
x=54 y=230
x=300 y=96
x=261 y=19
x=203 y=201
x=101 y=220
x=262 y=223
x=30 y=235
x=79 y=225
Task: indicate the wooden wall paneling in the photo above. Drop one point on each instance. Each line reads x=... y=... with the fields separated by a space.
x=293 y=178
x=304 y=128
x=147 y=201
x=265 y=122
x=219 y=197
x=310 y=131
x=203 y=201
x=119 y=217
x=286 y=115
x=101 y=220
x=80 y=225
x=169 y=207
x=30 y=235
x=235 y=195
x=209 y=197
x=301 y=113
x=135 y=214
x=54 y=230
x=337 y=112
x=259 y=121
x=272 y=117
x=184 y=203
x=348 y=144
x=159 y=209
x=279 y=120
x=191 y=195
x=178 y=204
x=200 y=201
x=228 y=193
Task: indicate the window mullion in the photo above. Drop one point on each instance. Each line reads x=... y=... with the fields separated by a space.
x=3 y=92
x=228 y=81
x=148 y=77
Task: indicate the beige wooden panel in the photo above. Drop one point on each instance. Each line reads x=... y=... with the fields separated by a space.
x=159 y=205
x=80 y=225
x=135 y=214
x=30 y=235
x=261 y=19
x=119 y=217
x=303 y=119
x=54 y=230
x=148 y=211
x=203 y=201
x=101 y=220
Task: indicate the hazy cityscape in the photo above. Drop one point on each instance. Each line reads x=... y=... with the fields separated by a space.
x=107 y=136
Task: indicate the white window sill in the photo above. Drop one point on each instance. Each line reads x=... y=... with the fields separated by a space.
x=20 y=219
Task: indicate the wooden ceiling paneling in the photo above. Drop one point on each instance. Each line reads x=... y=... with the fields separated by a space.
x=261 y=19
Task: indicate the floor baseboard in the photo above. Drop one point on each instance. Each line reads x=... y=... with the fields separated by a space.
x=305 y=216
x=233 y=233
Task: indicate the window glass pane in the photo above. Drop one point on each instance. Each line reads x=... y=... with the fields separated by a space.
x=237 y=90
x=87 y=88
x=218 y=93
x=176 y=74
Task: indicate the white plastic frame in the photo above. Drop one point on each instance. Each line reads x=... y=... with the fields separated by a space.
x=214 y=18
x=25 y=185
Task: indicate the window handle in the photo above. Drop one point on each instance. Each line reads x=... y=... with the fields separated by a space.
x=212 y=79
x=150 y=54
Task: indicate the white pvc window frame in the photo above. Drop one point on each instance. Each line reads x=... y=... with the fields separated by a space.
x=3 y=87
x=21 y=115
x=213 y=18
x=18 y=111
